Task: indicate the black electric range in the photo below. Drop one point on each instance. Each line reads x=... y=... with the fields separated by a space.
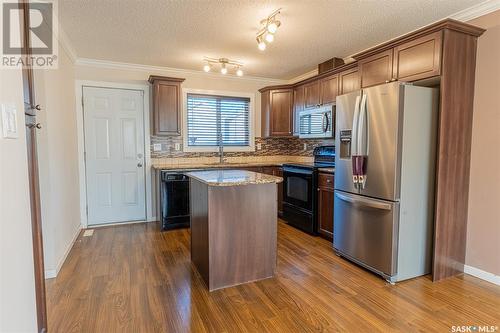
x=299 y=189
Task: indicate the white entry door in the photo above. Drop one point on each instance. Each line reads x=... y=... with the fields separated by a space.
x=114 y=155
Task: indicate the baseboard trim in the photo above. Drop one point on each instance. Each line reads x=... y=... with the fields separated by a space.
x=483 y=275
x=52 y=273
x=114 y=224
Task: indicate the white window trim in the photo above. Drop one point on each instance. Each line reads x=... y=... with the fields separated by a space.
x=251 y=121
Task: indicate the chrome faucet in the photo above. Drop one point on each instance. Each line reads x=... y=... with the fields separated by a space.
x=221 y=149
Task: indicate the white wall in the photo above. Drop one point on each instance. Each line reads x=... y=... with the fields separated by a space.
x=17 y=281
x=483 y=228
x=58 y=161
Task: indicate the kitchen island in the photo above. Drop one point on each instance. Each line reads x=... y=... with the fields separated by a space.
x=233 y=226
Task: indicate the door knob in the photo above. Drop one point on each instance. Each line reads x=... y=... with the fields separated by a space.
x=139 y=165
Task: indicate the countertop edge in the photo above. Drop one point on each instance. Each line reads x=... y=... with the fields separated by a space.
x=268 y=179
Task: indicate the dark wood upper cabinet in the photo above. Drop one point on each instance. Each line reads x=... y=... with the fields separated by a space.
x=298 y=105
x=265 y=111
x=419 y=58
x=329 y=89
x=325 y=205
x=376 y=69
x=281 y=107
x=312 y=97
x=166 y=105
x=349 y=81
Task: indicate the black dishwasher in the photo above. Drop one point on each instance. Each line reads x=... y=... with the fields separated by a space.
x=174 y=200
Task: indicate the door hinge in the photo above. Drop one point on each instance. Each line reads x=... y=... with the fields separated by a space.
x=87 y=210
x=82 y=101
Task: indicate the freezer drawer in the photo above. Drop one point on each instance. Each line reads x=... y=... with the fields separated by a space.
x=366 y=231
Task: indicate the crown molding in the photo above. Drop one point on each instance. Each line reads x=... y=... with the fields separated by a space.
x=148 y=68
x=475 y=11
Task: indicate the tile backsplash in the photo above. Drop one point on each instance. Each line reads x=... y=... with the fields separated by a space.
x=291 y=146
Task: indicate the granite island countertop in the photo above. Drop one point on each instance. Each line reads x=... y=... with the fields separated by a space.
x=232 y=177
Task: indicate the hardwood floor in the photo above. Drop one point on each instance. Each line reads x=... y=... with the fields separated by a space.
x=133 y=278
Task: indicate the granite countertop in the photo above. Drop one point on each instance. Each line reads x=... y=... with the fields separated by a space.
x=228 y=165
x=232 y=177
x=326 y=170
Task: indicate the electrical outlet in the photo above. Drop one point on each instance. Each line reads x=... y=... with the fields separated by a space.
x=157 y=147
x=177 y=146
x=259 y=146
x=305 y=146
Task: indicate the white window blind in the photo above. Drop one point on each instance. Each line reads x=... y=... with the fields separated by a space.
x=210 y=116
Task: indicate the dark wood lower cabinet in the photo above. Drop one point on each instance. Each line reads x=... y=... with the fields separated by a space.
x=325 y=205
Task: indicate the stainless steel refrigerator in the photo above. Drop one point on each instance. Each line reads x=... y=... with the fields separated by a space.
x=384 y=178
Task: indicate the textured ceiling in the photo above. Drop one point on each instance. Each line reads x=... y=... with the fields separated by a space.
x=180 y=33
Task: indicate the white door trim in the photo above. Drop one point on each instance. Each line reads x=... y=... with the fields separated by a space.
x=79 y=84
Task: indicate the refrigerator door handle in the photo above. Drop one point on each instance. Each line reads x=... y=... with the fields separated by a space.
x=363 y=128
x=354 y=136
x=363 y=202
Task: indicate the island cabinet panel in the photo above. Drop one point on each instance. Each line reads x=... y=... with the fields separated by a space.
x=376 y=69
x=312 y=97
x=166 y=105
x=329 y=89
x=233 y=233
x=348 y=81
x=298 y=105
x=419 y=58
x=325 y=205
x=281 y=102
x=198 y=193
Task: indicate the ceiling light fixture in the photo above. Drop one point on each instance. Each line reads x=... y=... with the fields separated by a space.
x=269 y=27
x=261 y=44
x=223 y=69
x=225 y=64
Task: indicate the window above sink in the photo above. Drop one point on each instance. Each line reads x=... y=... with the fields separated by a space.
x=208 y=115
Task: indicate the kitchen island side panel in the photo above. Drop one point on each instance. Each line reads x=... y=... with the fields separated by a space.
x=199 y=228
x=242 y=233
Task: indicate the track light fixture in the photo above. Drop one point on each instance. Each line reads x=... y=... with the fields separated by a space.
x=269 y=27
x=224 y=63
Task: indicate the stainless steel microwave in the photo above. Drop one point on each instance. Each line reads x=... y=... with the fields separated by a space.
x=317 y=122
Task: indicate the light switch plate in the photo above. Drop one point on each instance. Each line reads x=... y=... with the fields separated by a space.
x=259 y=146
x=177 y=146
x=157 y=147
x=9 y=121
x=305 y=146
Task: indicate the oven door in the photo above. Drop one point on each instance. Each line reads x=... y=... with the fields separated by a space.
x=298 y=187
